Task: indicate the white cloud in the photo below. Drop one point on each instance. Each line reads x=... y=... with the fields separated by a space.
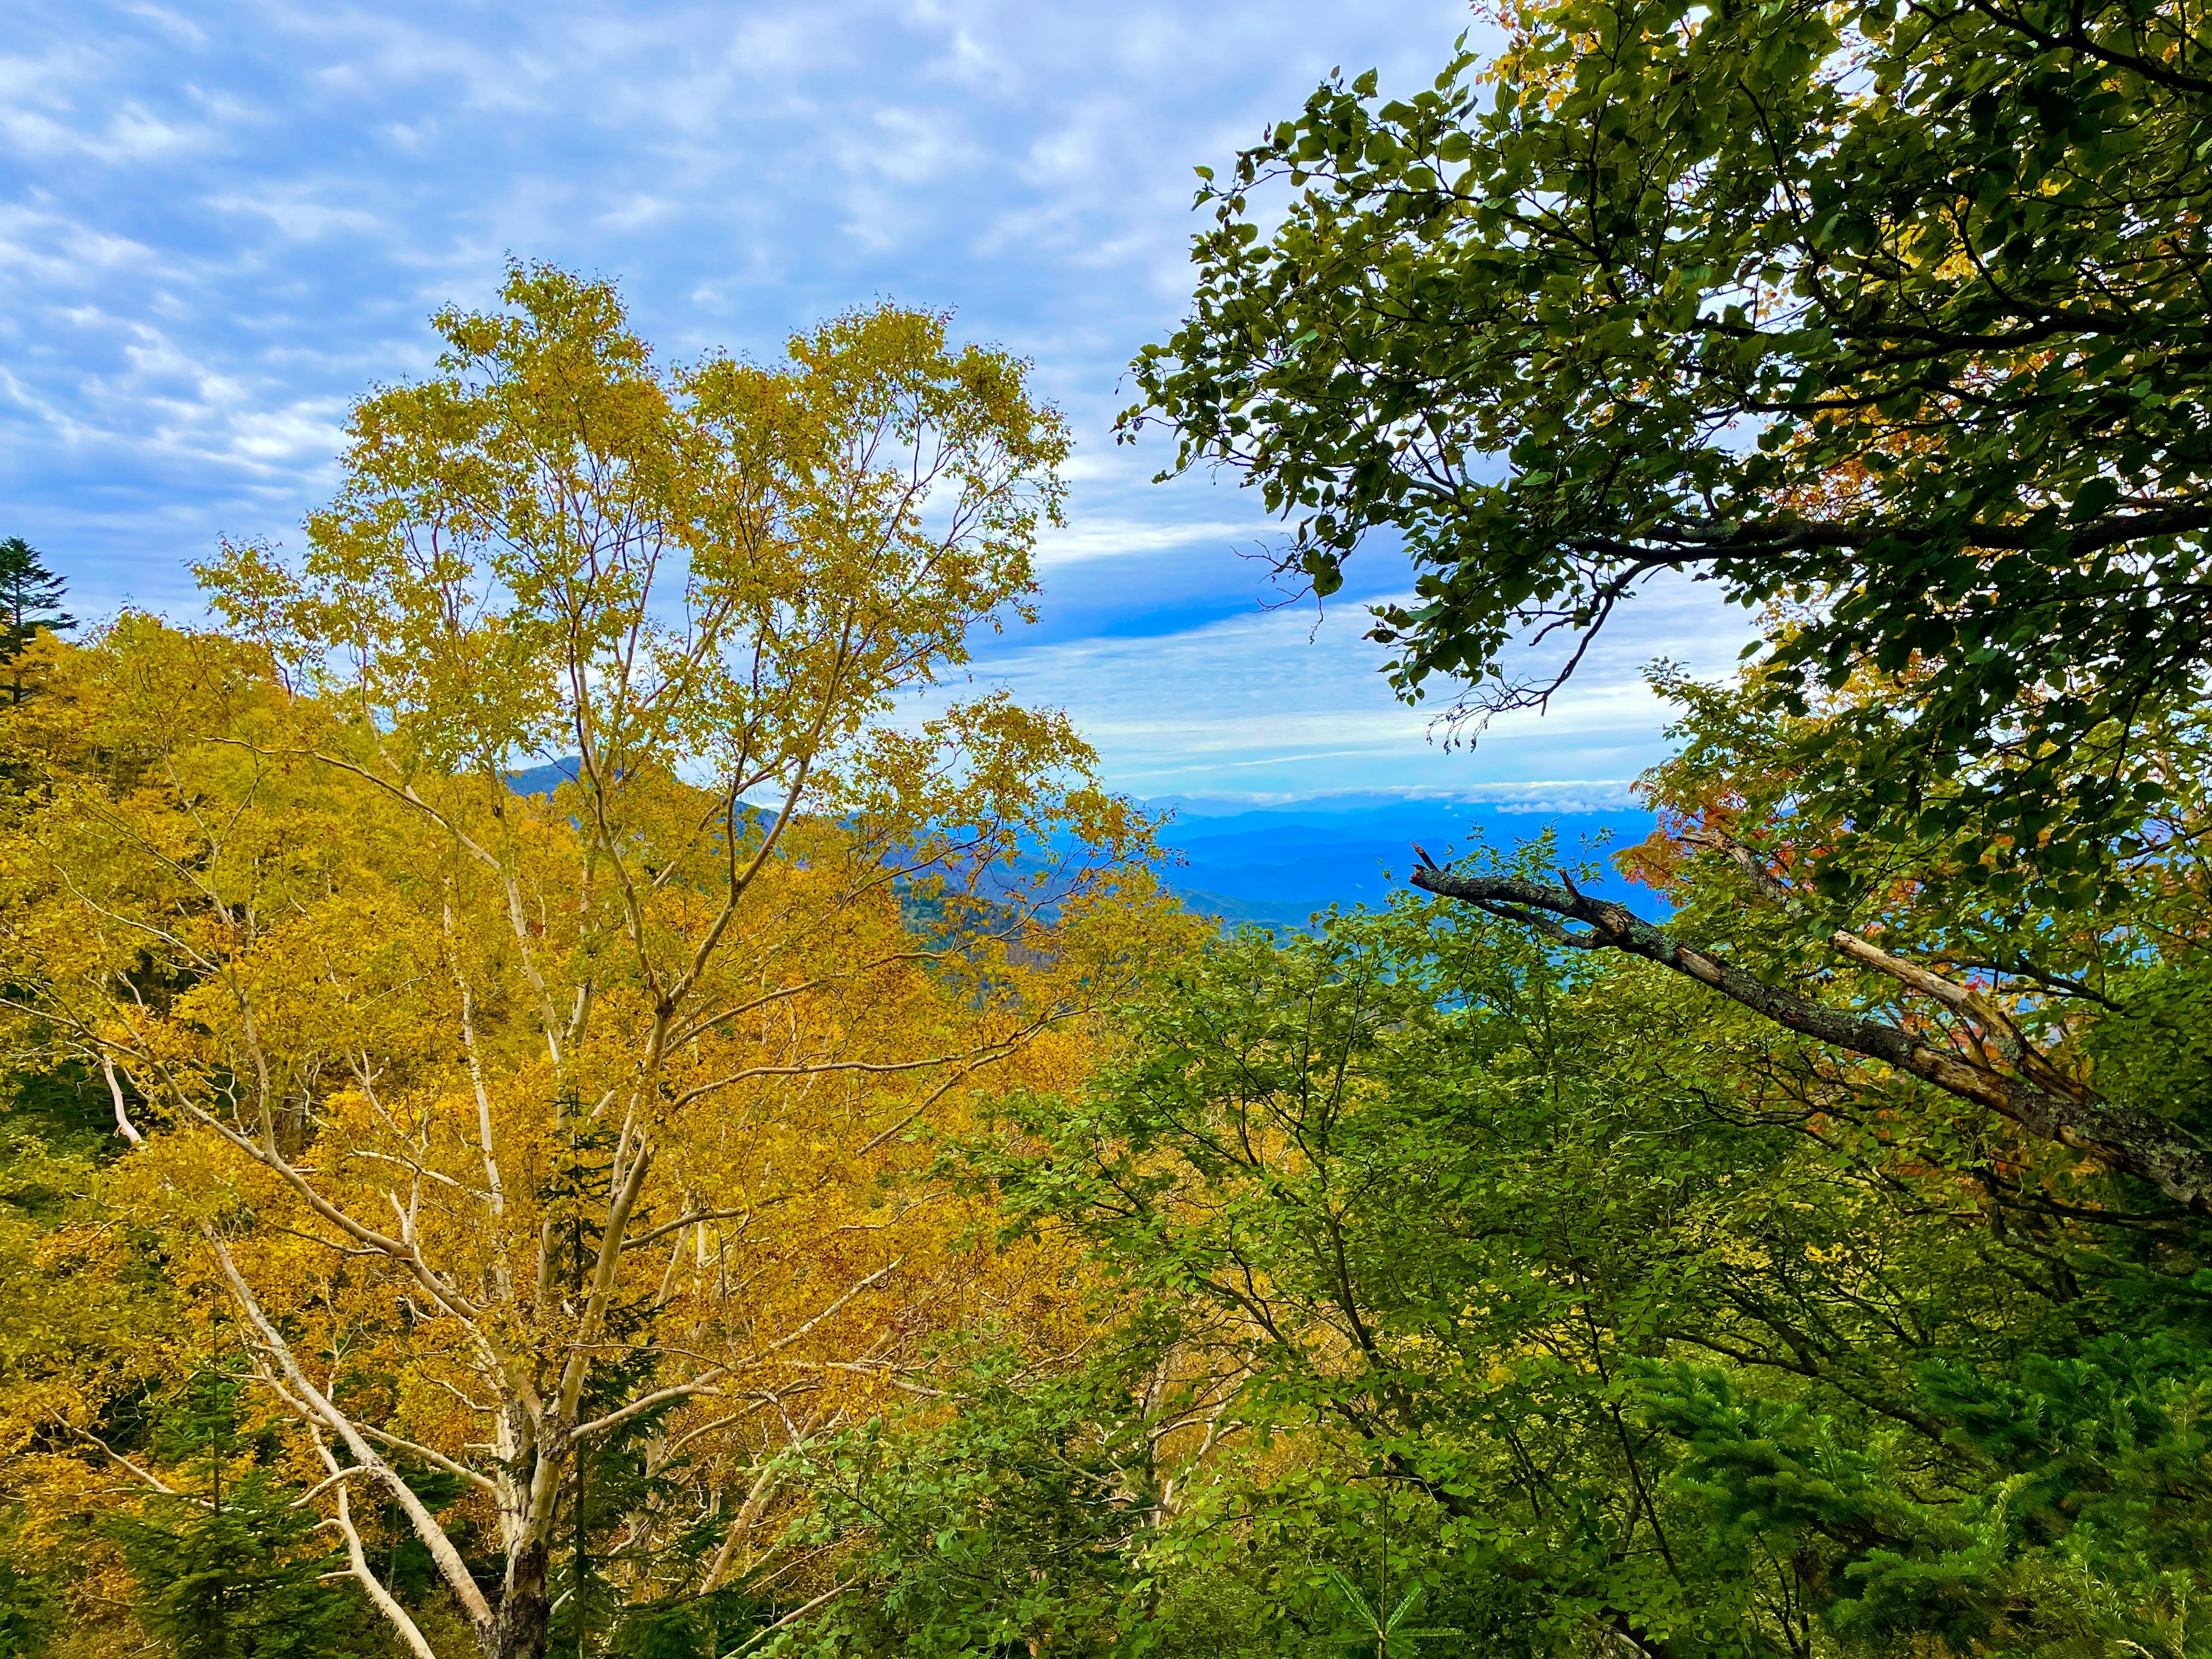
x=296 y=216
x=1102 y=538
x=55 y=251
x=309 y=432
x=221 y=223
x=179 y=27
x=1255 y=703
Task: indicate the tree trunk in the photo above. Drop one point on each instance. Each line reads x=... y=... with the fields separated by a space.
x=523 y=1628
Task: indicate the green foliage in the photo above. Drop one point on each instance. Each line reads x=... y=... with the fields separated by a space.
x=1660 y=1324
x=235 y=1571
x=67 y=1109
x=1891 y=314
x=28 y=1610
x=241 y=1582
x=1005 y=1527
x=1386 y=1635
x=30 y=599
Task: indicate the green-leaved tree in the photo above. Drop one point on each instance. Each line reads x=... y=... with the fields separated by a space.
x=1893 y=313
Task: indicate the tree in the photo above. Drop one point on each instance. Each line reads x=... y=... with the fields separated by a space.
x=235 y=1573
x=1741 y=787
x=1004 y=1515
x=30 y=599
x=95 y=1332
x=241 y=1582
x=544 y=1150
x=1891 y=312
x=1878 y=317
x=1661 y=1325
x=1361 y=1171
x=1928 y=260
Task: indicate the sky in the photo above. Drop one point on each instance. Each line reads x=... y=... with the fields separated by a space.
x=219 y=223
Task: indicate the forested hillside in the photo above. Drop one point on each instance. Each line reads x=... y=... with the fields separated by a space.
x=734 y=1193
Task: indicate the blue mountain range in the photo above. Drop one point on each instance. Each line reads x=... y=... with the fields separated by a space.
x=1279 y=865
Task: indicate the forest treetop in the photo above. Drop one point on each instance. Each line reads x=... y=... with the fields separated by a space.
x=495 y=1134
x=1893 y=315
x=556 y=546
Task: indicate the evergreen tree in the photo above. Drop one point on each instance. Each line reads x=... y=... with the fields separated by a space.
x=27 y=1611
x=233 y=1570
x=30 y=599
x=243 y=1582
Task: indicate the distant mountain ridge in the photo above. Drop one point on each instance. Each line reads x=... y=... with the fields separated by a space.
x=544 y=779
x=1279 y=864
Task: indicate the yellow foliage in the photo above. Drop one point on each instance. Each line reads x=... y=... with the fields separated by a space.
x=499 y=1129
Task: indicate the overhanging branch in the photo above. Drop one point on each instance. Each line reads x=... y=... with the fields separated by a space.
x=1697 y=543
x=2123 y=1137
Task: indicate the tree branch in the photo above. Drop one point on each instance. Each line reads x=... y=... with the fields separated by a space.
x=1799 y=536
x=2124 y=1137
x=357 y=1562
x=2010 y=1042
x=450 y=1565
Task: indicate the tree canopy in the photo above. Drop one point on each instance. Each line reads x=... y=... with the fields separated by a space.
x=30 y=600
x=554 y=1109
x=540 y=1155
x=1894 y=314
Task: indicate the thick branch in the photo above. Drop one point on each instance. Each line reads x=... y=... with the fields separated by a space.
x=454 y=1571
x=2124 y=1137
x=2003 y=1033
x=1699 y=541
x=357 y=1563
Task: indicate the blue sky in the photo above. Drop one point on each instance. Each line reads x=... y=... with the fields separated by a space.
x=220 y=222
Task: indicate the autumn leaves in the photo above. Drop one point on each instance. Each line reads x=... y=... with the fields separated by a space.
x=532 y=1149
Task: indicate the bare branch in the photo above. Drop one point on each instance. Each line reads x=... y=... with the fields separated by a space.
x=766 y=1631
x=123 y=1126
x=302 y=1391
x=357 y=1561
x=430 y=1454
x=2125 y=1137
x=2005 y=1035
x=143 y=1476
x=700 y=1387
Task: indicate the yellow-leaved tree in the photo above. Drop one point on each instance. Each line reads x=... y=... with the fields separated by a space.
x=541 y=1137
